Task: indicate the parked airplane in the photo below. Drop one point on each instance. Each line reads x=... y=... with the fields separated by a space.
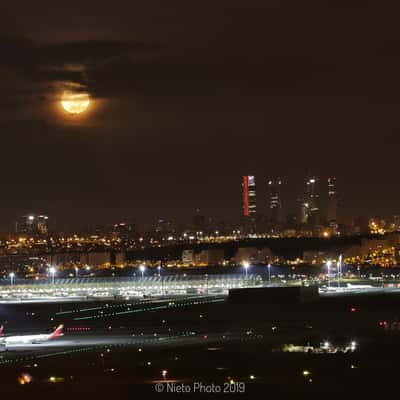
x=29 y=339
x=350 y=286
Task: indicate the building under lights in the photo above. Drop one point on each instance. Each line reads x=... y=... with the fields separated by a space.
x=249 y=206
x=275 y=201
x=122 y=231
x=309 y=207
x=332 y=203
x=249 y=196
x=32 y=224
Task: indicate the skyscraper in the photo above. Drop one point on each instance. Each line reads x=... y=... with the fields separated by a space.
x=249 y=196
x=122 y=231
x=332 y=203
x=309 y=208
x=275 y=200
x=312 y=196
x=303 y=211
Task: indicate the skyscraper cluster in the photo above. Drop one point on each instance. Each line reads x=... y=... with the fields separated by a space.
x=309 y=207
x=32 y=224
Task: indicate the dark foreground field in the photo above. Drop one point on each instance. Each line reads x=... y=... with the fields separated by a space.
x=236 y=347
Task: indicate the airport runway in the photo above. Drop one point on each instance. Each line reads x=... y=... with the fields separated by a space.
x=75 y=341
x=361 y=291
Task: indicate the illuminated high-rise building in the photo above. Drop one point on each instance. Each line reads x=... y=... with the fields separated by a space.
x=275 y=200
x=32 y=224
x=303 y=211
x=122 y=231
x=309 y=208
x=332 y=202
x=313 y=199
x=249 y=196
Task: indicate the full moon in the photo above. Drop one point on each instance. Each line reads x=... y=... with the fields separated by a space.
x=75 y=103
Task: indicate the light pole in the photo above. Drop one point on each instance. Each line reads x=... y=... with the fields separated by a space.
x=329 y=264
x=246 y=266
x=206 y=283
x=162 y=280
x=142 y=269
x=52 y=271
x=76 y=272
x=339 y=266
x=12 y=275
x=269 y=273
x=164 y=373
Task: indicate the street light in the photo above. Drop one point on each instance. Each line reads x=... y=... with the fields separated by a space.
x=76 y=272
x=12 y=275
x=164 y=373
x=159 y=271
x=246 y=266
x=329 y=264
x=142 y=269
x=52 y=271
x=269 y=273
x=339 y=266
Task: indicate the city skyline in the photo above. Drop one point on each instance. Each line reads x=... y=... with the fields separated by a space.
x=318 y=204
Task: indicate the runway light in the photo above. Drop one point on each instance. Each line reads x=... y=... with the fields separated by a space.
x=306 y=373
x=252 y=377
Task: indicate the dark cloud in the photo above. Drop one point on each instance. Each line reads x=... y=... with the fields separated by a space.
x=63 y=63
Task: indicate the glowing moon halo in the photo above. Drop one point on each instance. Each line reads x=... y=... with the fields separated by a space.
x=75 y=103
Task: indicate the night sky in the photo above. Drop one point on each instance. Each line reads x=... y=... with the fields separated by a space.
x=189 y=95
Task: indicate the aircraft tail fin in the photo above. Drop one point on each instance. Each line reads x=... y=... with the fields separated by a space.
x=57 y=332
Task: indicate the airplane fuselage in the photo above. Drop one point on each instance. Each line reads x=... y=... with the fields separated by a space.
x=28 y=339
x=25 y=339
